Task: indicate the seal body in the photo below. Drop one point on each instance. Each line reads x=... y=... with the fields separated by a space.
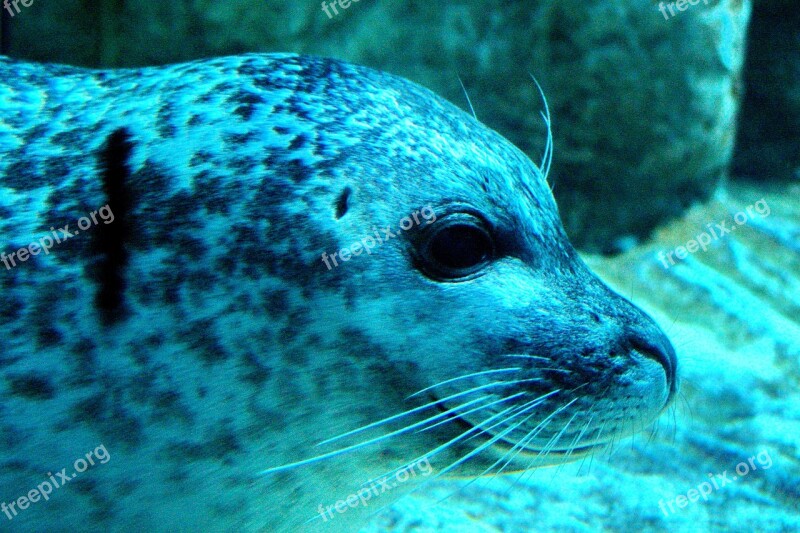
x=209 y=268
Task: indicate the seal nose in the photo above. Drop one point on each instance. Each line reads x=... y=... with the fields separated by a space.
x=656 y=346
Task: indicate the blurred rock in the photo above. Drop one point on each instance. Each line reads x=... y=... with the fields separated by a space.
x=644 y=103
x=768 y=141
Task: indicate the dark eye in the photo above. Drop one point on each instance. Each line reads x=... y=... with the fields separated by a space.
x=456 y=248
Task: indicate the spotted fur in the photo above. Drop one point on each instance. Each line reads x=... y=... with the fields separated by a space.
x=238 y=349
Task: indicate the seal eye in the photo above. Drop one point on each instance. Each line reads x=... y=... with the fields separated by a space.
x=457 y=250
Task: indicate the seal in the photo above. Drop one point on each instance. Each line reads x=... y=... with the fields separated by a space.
x=275 y=292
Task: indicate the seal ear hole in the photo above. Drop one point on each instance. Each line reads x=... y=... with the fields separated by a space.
x=342 y=203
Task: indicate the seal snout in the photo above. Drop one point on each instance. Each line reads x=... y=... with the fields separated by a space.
x=653 y=344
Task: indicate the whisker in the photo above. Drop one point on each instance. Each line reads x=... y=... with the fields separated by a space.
x=528 y=438
x=474 y=374
x=436 y=450
x=571 y=447
x=536 y=357
x=455 y=439
x=576 y=442
x=540 y=399
x=548 y=447
x=598 y=439
x=530 y=405
x=418 y=409
x=458 y=415
x=370 y=441
x=547 y=157
x=654 y=430
x=526 y=356
x=472 y=109
x=532 y=435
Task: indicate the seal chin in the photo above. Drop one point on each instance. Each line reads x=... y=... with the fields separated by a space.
x=528 y=457
x=548 y=455
x=511 y=455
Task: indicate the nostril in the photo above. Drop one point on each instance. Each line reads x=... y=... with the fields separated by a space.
x=662 y=351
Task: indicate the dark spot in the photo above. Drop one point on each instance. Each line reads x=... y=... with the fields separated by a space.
x=298 y=142
x=297 y=171
x=248 y=101
x=32 y=386
x=58 y=167
x=49 y=336
x=204 y=342
x=11 y=307
x=67 y=139
x=21 y=176
x=277 y=303
x=238 y=138
x=342 y=203
x=216 y=444
x=258 y=372
x=199 y=158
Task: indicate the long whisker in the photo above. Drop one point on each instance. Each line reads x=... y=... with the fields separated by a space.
x=526 y=356
x=547 y=157
x=522 y=443
x=599 y=438
x=583 y=461
x=472 y=109
x=555 y=440
x=530 y=405
x=474 y=374
x=436 y=450
x=371 y=441
x=539 y=401
x=576 y=441
x=458 y=415
x=462 y=414
x=531 y=435
x=418 y=409
x=536 y=357
x=455 y=439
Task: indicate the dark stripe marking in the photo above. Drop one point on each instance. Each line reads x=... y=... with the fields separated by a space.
x=110 y=239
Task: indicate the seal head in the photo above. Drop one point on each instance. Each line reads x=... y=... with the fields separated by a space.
x=229 y=323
